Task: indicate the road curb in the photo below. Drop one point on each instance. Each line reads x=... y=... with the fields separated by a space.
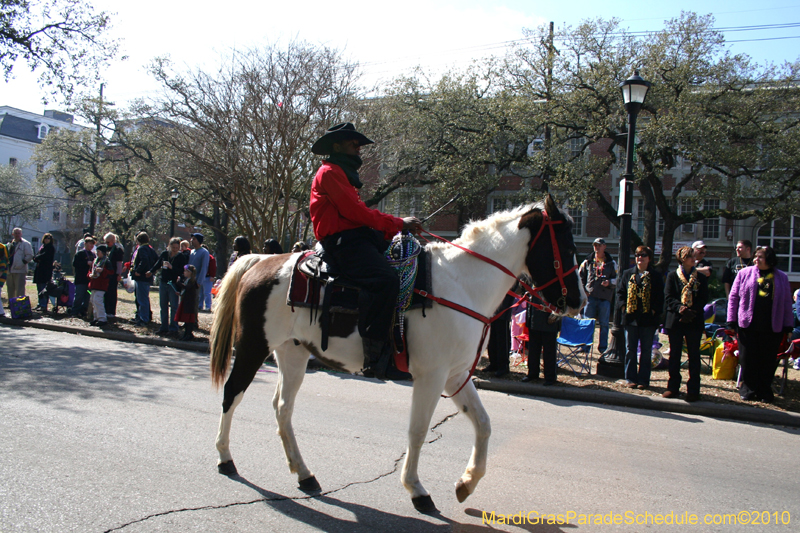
x=740 y=413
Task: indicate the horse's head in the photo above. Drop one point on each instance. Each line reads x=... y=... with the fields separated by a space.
x=548 y=260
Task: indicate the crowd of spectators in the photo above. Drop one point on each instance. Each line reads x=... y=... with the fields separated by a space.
x=761 y=310
x=762 y=314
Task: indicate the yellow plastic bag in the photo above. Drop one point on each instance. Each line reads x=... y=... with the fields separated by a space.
x=724 y=363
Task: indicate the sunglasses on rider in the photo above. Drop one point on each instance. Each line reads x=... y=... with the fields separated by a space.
x=642 y=255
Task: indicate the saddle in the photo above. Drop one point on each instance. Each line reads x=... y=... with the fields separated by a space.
x=318 y=285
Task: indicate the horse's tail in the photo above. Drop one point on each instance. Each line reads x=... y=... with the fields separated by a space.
x=225 y=317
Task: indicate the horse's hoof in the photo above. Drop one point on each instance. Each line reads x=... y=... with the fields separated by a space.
x=462 y=492
x=310 y=484
x=227 y=469
x=424 y=504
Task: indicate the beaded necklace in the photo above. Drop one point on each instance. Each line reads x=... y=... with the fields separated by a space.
x=642 y=292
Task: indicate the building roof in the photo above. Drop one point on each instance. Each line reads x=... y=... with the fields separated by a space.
x=19 y=128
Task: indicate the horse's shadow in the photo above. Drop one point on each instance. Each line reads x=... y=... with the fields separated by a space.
x=367 y=519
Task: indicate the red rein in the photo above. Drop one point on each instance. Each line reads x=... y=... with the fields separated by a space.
x=529 y=291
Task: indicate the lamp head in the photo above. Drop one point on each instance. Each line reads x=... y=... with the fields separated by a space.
x=174 y=194
x=634 y=91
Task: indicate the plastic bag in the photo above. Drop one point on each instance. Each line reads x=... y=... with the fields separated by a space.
x=725 y=360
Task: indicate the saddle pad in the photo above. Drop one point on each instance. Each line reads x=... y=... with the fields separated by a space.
x=309 y=292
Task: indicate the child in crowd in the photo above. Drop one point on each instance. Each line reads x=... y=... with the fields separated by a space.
x=101 y=274
x=187 y=308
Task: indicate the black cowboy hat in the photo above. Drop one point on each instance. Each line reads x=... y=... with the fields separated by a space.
x=338 y=133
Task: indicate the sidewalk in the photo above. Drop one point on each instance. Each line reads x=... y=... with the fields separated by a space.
x=741 y=413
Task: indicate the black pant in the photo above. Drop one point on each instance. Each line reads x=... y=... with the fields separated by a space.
x=542 y=344
x=693 y=337
x=499 y=346
x=110 y=299
x=358 y=255
x=758 y=351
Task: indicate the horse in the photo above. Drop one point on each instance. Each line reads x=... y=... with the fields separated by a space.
x=253 y=319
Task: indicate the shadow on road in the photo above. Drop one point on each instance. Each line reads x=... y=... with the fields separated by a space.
x=52 y=368
x=367 y=518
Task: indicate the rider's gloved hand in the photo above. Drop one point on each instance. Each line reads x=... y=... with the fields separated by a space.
x=412 y=225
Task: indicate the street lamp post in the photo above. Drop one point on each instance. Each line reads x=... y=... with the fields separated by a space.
x=634 y=91
x=172 y=222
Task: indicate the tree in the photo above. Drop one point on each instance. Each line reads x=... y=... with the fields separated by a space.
x=453 y=134
x=19 y=202
x=241 y=136
x=65 y=39
x=113 y=171
x=706 y=121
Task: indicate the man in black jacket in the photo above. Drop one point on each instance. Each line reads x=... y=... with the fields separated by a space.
x=82 y=264
x=145 y=258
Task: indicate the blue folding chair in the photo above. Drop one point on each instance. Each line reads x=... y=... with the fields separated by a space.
x=575 y=345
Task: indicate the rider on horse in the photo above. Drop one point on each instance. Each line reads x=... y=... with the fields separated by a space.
x=355 y=237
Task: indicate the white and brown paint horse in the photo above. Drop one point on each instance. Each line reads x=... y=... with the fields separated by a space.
x=252 y=317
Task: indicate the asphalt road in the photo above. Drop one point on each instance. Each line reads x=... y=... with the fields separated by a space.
x=98 y=435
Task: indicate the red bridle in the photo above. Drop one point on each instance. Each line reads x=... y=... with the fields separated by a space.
x=530 y=292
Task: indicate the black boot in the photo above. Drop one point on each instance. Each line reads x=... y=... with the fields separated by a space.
x=376 y=358
x=187 y=335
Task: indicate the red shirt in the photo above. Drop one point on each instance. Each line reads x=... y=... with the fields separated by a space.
x=335 y=206
x=102 y=281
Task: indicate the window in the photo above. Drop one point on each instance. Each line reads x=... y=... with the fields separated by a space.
x=783 y=236
x=12 y=161
x=575 y=147
x=535 y=147
x=640 y=216
x=405 y=203
x=43 y=131
x=498 y=203
x=56 y=216
x=686 y=207
x=577 y=220
x=711 y=225
x=35 y=243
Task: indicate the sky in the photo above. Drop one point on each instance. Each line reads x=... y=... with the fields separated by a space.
x=386 y=38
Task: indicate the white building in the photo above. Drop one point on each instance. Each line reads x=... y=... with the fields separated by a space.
x=20 y=133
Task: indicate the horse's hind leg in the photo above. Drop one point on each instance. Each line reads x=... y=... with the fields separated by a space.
x=292 y=360
x=425 y=396
x=245 y=366
x=468 y=402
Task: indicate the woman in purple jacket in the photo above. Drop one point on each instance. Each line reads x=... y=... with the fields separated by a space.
x=760 y=310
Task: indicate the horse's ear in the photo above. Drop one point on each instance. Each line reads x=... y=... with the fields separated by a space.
x=550 y=206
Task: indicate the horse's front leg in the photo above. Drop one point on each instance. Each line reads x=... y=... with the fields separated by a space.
x=292 y=361
x=468 y=401
x=425 y=396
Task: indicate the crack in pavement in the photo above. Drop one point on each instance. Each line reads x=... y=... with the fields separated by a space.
x=442 y=421
x=287 y=498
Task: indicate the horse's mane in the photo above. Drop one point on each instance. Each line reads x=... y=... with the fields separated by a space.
x=475 y=230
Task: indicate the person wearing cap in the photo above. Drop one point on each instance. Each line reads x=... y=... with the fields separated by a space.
x=702 y=265
x=144 y=259
x=355 y=238
x=685 y=296
x=199 y=259
x=743 y=259
x=599 y=277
